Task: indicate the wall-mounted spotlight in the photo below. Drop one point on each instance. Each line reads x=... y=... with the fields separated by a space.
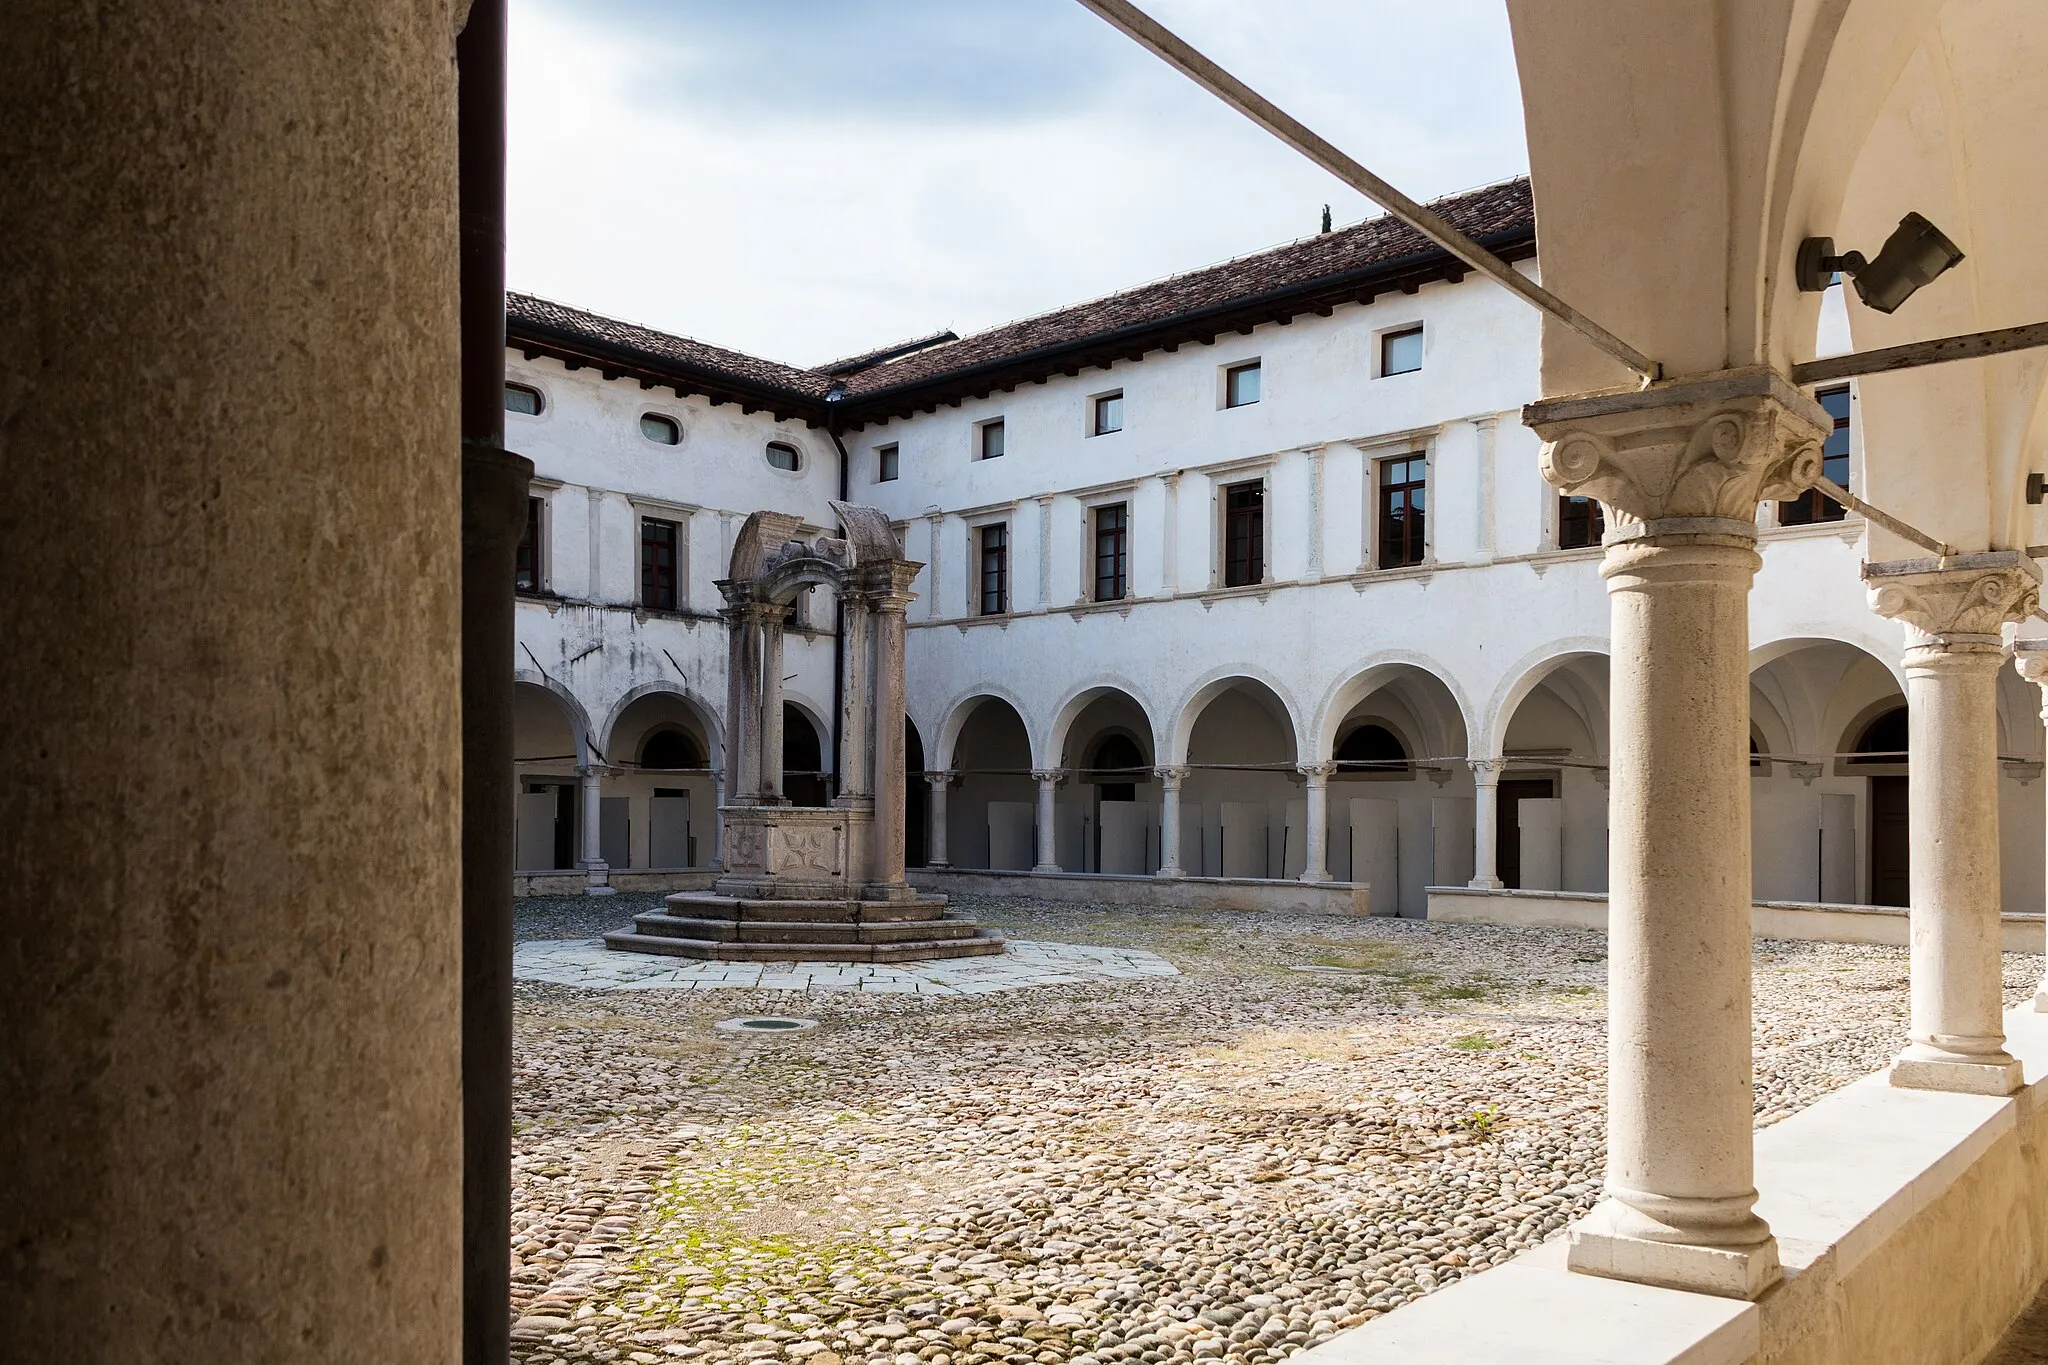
x=1915 y=254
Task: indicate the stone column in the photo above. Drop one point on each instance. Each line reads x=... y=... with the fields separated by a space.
x=1953 y=612
x=890 y=604
x=857 y=754
x=717 y=820
x=1681 y=469
x=2031 y=658
x=743 y=705
x=939 y=783
x=769 y=716
x=1315 y=863
x=1048 y=780
x=596 y=871
x=1169 y=821
x=233 y=1089
x=1485 y=824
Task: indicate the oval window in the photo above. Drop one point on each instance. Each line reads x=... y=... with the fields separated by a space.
x=784 y=456
x=661 y=430
x=520 y=398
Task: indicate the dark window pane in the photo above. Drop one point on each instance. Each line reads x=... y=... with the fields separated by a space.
x=1813 y=505
x=1580 y=522
x=885 y=464
x=995 y=570
x=1112 y=534
x=658 y=584
x=784 y=456
x=1401 y=352
x=992 y=440
x=527 y=575
x=1241 y=386
x=661 y=430
x=1109 y=414
x=1244 y=534
x=1402 y=493
x=519 y=398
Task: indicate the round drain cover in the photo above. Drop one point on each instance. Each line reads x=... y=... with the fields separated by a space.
x=765 y=1023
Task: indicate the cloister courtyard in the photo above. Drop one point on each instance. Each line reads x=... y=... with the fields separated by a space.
x=1311 y=1121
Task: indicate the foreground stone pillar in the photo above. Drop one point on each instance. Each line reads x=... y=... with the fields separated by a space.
x=1169 y=821
x=1315 y=853
x=743 y=704
x=857 y=755
x=1048 y=780
x=891 y=603
x=771 y=705
x=1681 y=469
x=939 y=784
x=2031 y=658
x=596 y=872
x=1953 y=654
x=232 y=1077
x=1485 y=824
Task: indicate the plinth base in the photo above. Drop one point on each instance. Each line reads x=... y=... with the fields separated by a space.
x=1919 y=1068
x=1600 y=1246
x=719 y=928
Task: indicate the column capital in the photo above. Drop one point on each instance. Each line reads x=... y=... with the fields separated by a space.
x=1316 y=772
x=1958 y=603
x=2030 y=657
x=942 y=779
x=1485 y=769
x=1171 y=774
x=1690 y=458
x=1044 y=775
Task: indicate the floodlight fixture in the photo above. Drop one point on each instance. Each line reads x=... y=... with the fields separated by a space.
x=1916 y=254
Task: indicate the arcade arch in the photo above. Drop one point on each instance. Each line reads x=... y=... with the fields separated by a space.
x=990 y=811
x=662 y=788
x=1108 y=820
x=1240 y=752
x=1392 y=744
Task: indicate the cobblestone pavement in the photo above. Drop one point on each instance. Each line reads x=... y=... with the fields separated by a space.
x=591 y=965
x=1318 y=1119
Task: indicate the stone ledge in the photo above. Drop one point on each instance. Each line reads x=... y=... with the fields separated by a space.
x=1186 y=893
x=1807 y=921
x=1911 y=1224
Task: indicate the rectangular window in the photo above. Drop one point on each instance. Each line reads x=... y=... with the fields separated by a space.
x=1112 y=549
x=1244 y=534
x=1109 y=414
x=995 y=570
x=1402 y=510
x=885 y=464
x=1580 y=522
x=1814 y=506
x=1241 y=385
x=991 y=440
x=1401 y=352
x=526 y=577
x=658 y=585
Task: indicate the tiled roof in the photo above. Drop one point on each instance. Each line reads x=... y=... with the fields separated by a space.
x=1273 y=285
x=1491 y=212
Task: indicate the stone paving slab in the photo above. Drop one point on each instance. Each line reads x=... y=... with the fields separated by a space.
x=589 y=964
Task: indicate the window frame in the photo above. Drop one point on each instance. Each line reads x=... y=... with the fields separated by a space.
x=982 y=585
x=1391 y=335
x=1256 y=561
x=889 y=462
x=533 y=546
x=982 y=432
x=648 y=570
x=1119 y=573
x=1097 y=404
x=1414 y=527
x=1230 y=373
x=796 y=453
x=1595 y=520
x=1813 y=507
x=673 y=424
x=540 y=399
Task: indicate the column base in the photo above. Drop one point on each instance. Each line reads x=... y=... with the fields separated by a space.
x=1315 y=877
x=597 y=880
x=1921 y=1067
x=1042 y=869
x=1602 y=1244
x=1487 y=884
x=937 y=865
x=1169 y=872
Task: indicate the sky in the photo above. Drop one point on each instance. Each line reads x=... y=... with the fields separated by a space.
x=809 y=179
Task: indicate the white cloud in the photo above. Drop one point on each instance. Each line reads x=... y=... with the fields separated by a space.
x=828 y=226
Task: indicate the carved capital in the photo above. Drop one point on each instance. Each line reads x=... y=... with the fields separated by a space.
x=1316 y=772
x=1044 y=775
x=2030 y=657
x=1706 y=450
x=1485 y=770
x=1963 y=603
x=1170 y=776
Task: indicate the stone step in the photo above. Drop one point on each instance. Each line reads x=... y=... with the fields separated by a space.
x=711 y=950
x=707 y=906
x=658 y=925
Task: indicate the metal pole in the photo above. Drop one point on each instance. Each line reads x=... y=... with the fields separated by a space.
x=1914 y=354
x=1256 y=107
x=1884 y=518
x=493 y=512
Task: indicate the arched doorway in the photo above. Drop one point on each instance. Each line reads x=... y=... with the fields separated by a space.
x=1241 y=783
x=991 y=816
x=1109 y=811
x=1551 y=831
x=660 y=803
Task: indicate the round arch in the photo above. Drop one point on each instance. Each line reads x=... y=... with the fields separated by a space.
x=962 y=709
x=1437 y=703
x=570 y=706
x=1264 y=687
x=707 y=719
x=1055 y=755
x=1531 y=671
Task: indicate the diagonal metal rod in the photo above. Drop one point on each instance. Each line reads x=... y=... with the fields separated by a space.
x=1151 y=34
x=1914 y=354
x=1885 y=519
